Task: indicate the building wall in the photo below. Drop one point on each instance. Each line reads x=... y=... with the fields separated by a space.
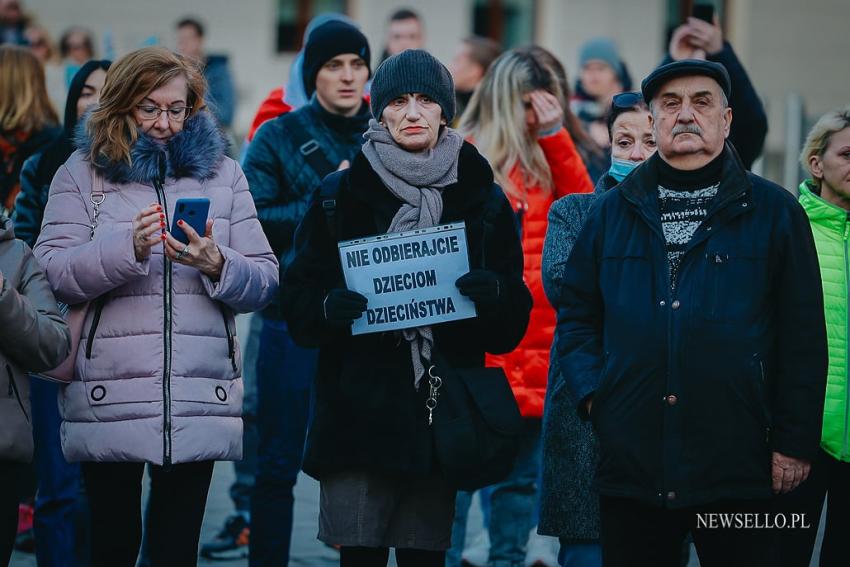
x=636 y=27
x=786 y=45
x=790 y=46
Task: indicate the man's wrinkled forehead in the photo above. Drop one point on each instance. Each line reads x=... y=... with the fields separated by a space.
x=690 y=87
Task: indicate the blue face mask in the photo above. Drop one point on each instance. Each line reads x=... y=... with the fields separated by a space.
x=620 y=168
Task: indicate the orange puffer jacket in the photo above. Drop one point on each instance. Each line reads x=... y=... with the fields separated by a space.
x=527 y=367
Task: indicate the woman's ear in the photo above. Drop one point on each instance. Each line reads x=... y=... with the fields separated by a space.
x=816 y=167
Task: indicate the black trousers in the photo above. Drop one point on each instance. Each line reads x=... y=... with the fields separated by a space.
x=378 y=557
x=178 y=496
x=830 y=479
x=636 y=534
x=11 y=478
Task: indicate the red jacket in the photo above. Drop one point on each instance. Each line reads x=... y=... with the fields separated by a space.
x=272 y=107
x=527 y=367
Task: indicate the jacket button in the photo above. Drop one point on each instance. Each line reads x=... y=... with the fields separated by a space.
x=671 y=495
x=675 y=304
x=708 y=227
x=662 y=303
x=98 y=393
x=672 y=400
x=221 y=394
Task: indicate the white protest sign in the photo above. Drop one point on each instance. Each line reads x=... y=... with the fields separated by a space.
x=408 y=277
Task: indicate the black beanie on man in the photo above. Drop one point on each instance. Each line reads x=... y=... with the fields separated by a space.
x=326 y=42
x=413 y=71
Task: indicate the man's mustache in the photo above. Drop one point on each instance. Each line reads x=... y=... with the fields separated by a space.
x=687 y=129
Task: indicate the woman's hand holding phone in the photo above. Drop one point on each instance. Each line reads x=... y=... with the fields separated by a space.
x=148 y=230
x=201 y=253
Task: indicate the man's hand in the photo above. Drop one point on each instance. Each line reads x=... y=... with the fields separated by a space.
x=696 y=39
x=788 y=473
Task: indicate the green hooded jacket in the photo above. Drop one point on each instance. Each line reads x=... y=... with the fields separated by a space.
x=831 y=229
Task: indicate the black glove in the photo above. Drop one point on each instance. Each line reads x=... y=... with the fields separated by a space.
x=481 y=286
x=342 y=306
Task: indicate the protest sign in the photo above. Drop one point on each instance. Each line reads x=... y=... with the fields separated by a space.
x=408 y=277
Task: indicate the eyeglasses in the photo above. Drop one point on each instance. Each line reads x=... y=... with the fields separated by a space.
x=174 y=114
x=627 y=99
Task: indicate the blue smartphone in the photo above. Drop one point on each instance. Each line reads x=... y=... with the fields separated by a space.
x=193 y=212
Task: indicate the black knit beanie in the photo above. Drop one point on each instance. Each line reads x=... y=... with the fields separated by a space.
x=413 y=71
x=326 y=42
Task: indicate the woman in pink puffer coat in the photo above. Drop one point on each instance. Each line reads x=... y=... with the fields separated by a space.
x=158 y=372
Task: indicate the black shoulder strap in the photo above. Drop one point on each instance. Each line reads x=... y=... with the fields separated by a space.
x=328 y=194
x=310 y=148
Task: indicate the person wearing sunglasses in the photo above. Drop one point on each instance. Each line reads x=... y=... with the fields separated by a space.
x=158 y=372
x=569 y=449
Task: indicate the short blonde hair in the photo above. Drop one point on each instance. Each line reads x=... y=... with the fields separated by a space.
x=24 y=104
x=821 y=133
x=129 y=80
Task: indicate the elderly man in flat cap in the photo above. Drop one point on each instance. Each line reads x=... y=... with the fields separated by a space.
x=693 y=338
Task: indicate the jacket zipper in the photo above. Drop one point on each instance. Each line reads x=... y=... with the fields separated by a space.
x=94 y=324
x=847 y=370
x=13 y=389
x=231 y=342
x=166 y=298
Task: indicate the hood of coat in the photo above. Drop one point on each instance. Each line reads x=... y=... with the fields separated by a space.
x=194 y=152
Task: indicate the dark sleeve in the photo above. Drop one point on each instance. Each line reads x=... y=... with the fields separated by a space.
x=314 y=271
x=502 y=329
x=580 y=315
x=30 y=322
x=798 y=394
x=222 y=93
x=30 y=202
x=279 y=208
x=564 y=224
x=749 y=121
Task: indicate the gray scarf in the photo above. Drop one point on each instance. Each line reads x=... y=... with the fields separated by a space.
x=417 y=179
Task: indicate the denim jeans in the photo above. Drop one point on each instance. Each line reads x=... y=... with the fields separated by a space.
x=513 y=502
x=285 y=374
x=463 y=501
x=246 y=469
x=59 y=523
x=580 y=555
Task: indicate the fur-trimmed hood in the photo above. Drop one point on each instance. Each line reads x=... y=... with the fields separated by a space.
x=194 y=152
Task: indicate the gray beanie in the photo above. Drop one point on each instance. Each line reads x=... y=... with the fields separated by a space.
x=413 y=71
x=601 y=49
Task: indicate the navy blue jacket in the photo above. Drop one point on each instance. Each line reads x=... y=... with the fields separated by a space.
x=694 y=388
x=282 y=180
x=221 y=95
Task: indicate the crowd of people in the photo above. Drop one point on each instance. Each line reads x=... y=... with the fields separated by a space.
x=669 y=330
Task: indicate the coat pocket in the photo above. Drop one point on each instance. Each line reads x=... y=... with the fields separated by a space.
x=15 y=392
x=734 y=285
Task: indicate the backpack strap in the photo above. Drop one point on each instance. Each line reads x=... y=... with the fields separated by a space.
x=309 y=148
x=327 y=195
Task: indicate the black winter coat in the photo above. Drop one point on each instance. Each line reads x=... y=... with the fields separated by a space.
x=283 y=180
x=694 y=388
x=368 y=416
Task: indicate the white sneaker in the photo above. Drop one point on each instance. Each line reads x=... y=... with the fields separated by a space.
x=478 y=551
x=542 y=550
